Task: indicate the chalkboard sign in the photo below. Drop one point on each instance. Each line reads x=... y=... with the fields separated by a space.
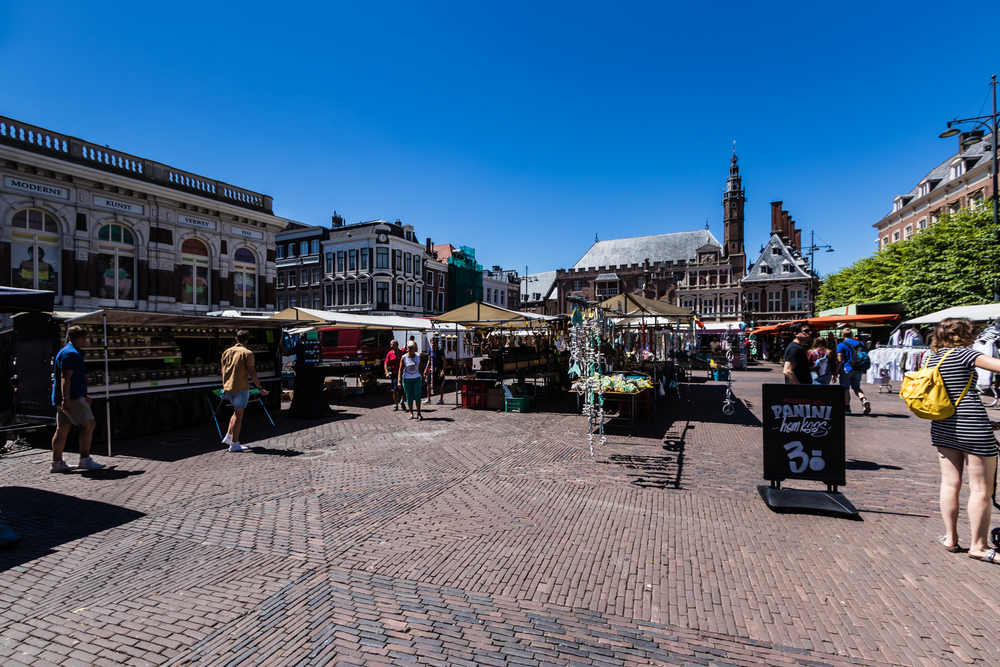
x=308 y=352
x=804 y=433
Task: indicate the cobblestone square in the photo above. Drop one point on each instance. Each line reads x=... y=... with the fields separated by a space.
x=481 y=538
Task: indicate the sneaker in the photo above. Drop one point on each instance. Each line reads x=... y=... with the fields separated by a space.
x=60 y=466
x=227 y=439
x=866 y=406
x=395 y=408
x=847 y=411
x=87 y=463
x=237 y=447
x=441 y=401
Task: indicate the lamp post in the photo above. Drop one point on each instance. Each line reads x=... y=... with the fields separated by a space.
x=813 y=248
x=974 y=136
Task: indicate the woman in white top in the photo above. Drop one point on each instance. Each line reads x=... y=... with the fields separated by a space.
x=409 y=377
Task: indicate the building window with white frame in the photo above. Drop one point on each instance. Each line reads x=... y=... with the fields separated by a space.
x=908 y=232
x=316 y=276
x=281 y=303
x=382 y=295
x=774 y=302
x=408 y=263
x=381 y=258
x=316 y=303
x=279 y=252
x=115 y=264
x=895 y=236
x=352 y=260
x=304 y=248
x=314 y=249
x=409 y=295
x=922 y=224
x=244 y=279
x=729 y=306
x=363 y=293
x=364 y=259
x=293 y=280
x=352 y=294
x=399 y=294
x=281 y=280
x=753 y=302
x=340 y=261
x=796 y=299
x=416 y=296
x=194 y=273
x=708 y=306
x=329 y=262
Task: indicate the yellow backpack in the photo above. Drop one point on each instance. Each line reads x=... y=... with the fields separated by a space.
x=926 y=395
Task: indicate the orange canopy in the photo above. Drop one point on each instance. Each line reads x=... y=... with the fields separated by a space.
x=830 y=320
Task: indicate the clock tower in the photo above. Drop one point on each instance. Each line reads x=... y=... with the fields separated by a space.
x=733 y=202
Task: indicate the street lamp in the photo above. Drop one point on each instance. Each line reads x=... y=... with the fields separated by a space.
x=813 y=248
x=973 y=137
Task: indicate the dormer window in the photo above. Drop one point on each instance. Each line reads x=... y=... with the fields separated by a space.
x=775 y=251
x=925 y=188
x=765 y=270
x=787 y=268
x=957 y=168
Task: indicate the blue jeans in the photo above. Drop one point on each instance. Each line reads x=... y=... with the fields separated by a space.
x=413 y=388
x=239 y=399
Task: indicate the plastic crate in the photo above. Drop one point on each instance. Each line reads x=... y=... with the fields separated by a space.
x=517 y=404
x=474 y=401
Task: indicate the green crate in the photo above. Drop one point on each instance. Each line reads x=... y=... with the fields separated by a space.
x=517 y=404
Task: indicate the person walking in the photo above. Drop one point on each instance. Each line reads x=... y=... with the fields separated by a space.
x=436 y=368
x=796 y=367
x=410 y=378
x=392 y=372
x=820 y=362
x=237 y=371
x=850 y=377
x=965 y=440
x=69 y=396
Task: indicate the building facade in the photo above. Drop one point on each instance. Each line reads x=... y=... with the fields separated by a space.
x=373 y=267
x=502 y=288
x=465 y=275
x=961 y=181
x=539 y=293
x=299 y=266
x=711 y=282
x=780 y=286
x=435 y=282
x=107 y=229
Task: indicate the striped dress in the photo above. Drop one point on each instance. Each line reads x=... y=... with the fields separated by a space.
x=969 y=429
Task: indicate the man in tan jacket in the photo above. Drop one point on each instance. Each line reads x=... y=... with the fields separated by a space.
x=237 y=371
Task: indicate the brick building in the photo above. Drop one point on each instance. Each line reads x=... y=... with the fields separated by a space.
x=104 y=228
x=780 y=286
x=435 y=282
x=539 y=293
x=961 y=181
x=299 y=266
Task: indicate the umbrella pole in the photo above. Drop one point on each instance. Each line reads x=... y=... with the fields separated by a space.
x=107 y=384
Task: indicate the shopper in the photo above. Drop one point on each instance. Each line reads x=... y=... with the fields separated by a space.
x=237 y=371
x=820 y=361
x=69 y=396
x=796 y=368
x=409 y=377
x=436 y=368
x=850 y=377
x=392 y=372
x=964 y=440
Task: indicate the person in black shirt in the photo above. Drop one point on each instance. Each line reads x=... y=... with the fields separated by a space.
x=796 y=368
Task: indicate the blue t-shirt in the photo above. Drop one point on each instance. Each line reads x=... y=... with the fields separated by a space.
x=69 y=359
x=847 y=349
x=439 y=361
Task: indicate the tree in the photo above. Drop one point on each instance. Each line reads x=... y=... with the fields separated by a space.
x=954 y=262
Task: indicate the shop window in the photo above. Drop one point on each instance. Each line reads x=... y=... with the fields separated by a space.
x=316 y=304
x=381 y=258
x=774 y=302
x=116 y=264
x=796 y=299
x=279 y=252
x=382 y=296
x=281 y=303
x=245 y=279
x=364 y=259
x=352 y=260
x=35 y=258
x=363 y=296
x=281 y=281
x=315 y=248
x=194 y=273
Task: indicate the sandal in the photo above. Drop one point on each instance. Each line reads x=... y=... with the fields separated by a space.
x=991 y=557
x=955 y=549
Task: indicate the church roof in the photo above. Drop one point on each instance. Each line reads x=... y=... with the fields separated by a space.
x=637 y=249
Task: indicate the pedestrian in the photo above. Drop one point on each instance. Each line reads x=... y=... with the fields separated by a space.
x=237 y=371
x=69 y=396
x=850 y=377
x=965 y=440
x=796 y=368
x=820 y=361
x=392 y=372
x=409 y=377
x=436 y=367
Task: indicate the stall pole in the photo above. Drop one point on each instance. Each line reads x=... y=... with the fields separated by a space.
x=107 y=383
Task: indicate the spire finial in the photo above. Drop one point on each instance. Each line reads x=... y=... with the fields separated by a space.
x=595 y=237
x=734 y=147
x=706 y=223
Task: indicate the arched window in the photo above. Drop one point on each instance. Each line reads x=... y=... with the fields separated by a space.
x=34 y=250
x=194 y=273
x=244 y=279
x=116 y=265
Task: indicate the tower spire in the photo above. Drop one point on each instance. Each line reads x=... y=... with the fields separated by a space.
x=732 y=205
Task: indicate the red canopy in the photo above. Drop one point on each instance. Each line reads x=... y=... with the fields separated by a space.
x=831 y=320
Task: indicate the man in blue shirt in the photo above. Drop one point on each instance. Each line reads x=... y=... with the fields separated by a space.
x=69 y=395
x=438 y=363
x=850 y=377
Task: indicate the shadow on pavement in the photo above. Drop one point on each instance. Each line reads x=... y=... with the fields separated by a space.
x=110 y=473
x=46 y=520
x=275 y=452
x=868 y=465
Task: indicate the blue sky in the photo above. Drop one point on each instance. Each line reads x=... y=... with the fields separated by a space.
x=518 y=128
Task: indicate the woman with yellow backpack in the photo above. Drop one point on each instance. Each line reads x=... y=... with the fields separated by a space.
x=961 y=430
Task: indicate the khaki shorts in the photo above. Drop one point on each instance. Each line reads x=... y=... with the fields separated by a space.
x=79 y=412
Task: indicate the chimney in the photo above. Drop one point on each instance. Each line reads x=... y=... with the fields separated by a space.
x=798 y=239
x=338 y=221
x=428 y=245
x=776 y=216
x=399 y=223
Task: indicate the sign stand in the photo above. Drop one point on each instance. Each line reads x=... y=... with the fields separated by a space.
x=804 y=440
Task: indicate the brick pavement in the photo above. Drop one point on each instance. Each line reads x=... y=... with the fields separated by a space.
x=484 y=538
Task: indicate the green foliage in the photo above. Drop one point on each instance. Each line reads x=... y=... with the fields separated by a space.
x=954 y=262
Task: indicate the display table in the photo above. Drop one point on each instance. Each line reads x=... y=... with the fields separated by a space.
x=625 y=399
x=308 y=398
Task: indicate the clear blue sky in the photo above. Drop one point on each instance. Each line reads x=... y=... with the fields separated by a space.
x=518 y=128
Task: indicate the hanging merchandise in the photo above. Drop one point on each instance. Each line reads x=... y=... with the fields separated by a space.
x=588 y=361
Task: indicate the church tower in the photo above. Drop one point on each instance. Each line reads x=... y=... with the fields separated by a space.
x=732 y=213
